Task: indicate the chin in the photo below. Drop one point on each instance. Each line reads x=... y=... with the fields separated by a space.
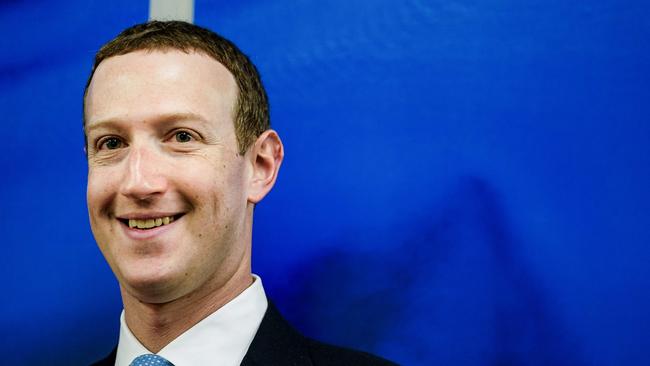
x=151 y=287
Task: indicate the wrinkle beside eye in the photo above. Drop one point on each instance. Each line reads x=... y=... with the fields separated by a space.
x=109 y=157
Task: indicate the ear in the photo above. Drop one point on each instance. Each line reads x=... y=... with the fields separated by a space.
x=266 y=157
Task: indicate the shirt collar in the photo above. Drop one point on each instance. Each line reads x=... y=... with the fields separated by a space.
x=222 y=338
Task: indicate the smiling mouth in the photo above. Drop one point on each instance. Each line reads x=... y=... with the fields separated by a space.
x=149 y=223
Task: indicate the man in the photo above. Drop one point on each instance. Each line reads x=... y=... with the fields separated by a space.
x=179 y=152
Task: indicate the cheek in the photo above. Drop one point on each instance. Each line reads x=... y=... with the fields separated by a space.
x=99 y=192
x=216 y=182
x=93 y=192
x=219 y=203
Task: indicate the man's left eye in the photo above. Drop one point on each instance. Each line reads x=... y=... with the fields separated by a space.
x=183 y=136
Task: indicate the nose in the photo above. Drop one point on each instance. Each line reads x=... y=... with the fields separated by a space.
x=144 y=176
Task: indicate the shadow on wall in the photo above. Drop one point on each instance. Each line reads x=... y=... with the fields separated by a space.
x=455 y=291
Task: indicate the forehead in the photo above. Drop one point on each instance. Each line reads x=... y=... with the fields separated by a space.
x=141 y=85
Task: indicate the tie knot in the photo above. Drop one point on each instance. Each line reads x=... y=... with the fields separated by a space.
x=150 y=360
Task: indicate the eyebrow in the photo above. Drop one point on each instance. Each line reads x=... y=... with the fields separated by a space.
x=159 y=119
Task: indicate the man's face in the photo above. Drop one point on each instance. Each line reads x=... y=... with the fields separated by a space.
x=162 y=152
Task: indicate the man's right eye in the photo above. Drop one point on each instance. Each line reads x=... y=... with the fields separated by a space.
x=110 y=143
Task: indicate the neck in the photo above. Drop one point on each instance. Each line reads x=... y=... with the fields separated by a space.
x=156 y=325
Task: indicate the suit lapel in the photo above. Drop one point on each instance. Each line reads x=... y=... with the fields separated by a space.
x=276 y=343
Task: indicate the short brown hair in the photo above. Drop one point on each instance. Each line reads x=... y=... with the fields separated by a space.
x=251 y=110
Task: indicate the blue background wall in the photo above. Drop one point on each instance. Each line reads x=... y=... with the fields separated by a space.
x=466 y=182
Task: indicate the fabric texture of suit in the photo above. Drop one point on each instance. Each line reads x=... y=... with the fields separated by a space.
x=277 y=343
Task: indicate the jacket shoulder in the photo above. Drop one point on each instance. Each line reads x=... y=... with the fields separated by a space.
x=278 y=343
x=109 y=360
x=323 y=354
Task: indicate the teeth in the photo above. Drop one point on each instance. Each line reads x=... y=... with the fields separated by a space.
x=150 y=223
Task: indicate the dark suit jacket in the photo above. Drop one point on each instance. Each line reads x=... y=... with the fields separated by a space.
x=277 y=343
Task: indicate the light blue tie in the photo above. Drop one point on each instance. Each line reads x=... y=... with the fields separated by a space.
x=150 y=360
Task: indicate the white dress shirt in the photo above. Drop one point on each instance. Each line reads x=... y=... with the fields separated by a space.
x=222 y=338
